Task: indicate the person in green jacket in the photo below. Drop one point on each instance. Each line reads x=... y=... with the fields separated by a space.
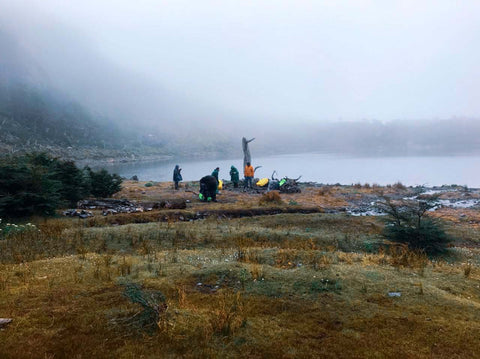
x=215 y=173
x=234 y=176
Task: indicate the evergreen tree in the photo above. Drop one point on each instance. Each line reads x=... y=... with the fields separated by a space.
x=407 y=221
x=28 y=186
x=74 y=185
x=103 y=184
x=39 y=184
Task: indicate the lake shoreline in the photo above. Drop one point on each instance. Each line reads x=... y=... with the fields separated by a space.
x=319 y=168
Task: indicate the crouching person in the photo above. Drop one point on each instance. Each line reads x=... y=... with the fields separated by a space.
x=208 y=189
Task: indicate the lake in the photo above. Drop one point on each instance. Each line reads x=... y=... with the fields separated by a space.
x=324 y=168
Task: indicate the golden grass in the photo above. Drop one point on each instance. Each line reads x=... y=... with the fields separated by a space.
x=73 y=307
x=286 y=286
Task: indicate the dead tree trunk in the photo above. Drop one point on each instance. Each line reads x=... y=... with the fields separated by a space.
x=246 y=151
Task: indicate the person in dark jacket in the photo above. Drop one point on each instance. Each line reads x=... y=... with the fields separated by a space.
x=215 y=173
x=177 y=175
x=208 y=189
x=234 y=176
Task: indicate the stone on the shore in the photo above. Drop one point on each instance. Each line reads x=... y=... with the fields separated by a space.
x=4 y=322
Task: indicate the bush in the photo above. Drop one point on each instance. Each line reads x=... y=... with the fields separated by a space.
x=399 y=185
x=270 y=197
x=10 y=229
x=38 y=184
x=324 y=190
x=154 y=305
x=407 y=222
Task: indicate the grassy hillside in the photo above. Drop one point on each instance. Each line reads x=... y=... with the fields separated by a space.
x=288 y=285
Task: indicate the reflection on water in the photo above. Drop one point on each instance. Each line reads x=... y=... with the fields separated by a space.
x=323 y=168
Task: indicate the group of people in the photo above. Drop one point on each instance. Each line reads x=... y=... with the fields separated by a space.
x=209 y=184
x=248 y=173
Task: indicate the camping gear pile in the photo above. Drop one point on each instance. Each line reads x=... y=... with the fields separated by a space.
x=284 y=185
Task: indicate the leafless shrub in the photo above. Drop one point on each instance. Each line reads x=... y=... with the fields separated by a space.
x=153 y=315
x=272 y=197
x=229 y=315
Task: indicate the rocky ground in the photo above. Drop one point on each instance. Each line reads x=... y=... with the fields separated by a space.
x=453 y=201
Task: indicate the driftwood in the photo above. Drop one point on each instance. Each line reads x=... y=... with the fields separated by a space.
x=81 y=214
x=114 y=206
x=289 y=185
x=104 y=203
x=246 y=151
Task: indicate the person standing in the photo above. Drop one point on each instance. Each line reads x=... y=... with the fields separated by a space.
x=234 y=176
x=177 y=175
x=248 y=172
x=215 y=173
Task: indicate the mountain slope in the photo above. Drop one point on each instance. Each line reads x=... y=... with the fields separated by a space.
x=35 y=116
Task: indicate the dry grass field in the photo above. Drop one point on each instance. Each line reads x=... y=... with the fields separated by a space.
x=289 y=285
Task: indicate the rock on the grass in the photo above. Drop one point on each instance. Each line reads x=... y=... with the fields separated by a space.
x=4 y=322
x=75 y=213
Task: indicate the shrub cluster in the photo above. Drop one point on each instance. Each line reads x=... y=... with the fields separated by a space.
x=10 y=229
x=39 y=184
x=407 y=222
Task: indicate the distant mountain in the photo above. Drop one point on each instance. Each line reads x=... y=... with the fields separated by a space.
x=66 y=99
x=34 y=116
x=31 y=116
x=36 y=119
x=32 y=120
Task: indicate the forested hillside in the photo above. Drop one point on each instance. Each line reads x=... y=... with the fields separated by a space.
x=37 y=116
x=29 y=117
x=37 y=120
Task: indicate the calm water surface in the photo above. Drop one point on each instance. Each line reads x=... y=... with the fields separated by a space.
x=324 y=168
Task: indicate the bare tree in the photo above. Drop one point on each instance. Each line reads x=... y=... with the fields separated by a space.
x=246 y=151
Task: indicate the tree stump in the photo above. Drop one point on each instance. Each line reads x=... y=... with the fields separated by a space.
x=246 y=151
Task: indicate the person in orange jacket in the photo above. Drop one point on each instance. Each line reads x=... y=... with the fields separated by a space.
x=248 y=172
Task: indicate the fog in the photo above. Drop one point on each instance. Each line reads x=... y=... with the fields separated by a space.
x=241 y=67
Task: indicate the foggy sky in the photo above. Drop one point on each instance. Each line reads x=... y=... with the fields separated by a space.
x=247 y=61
